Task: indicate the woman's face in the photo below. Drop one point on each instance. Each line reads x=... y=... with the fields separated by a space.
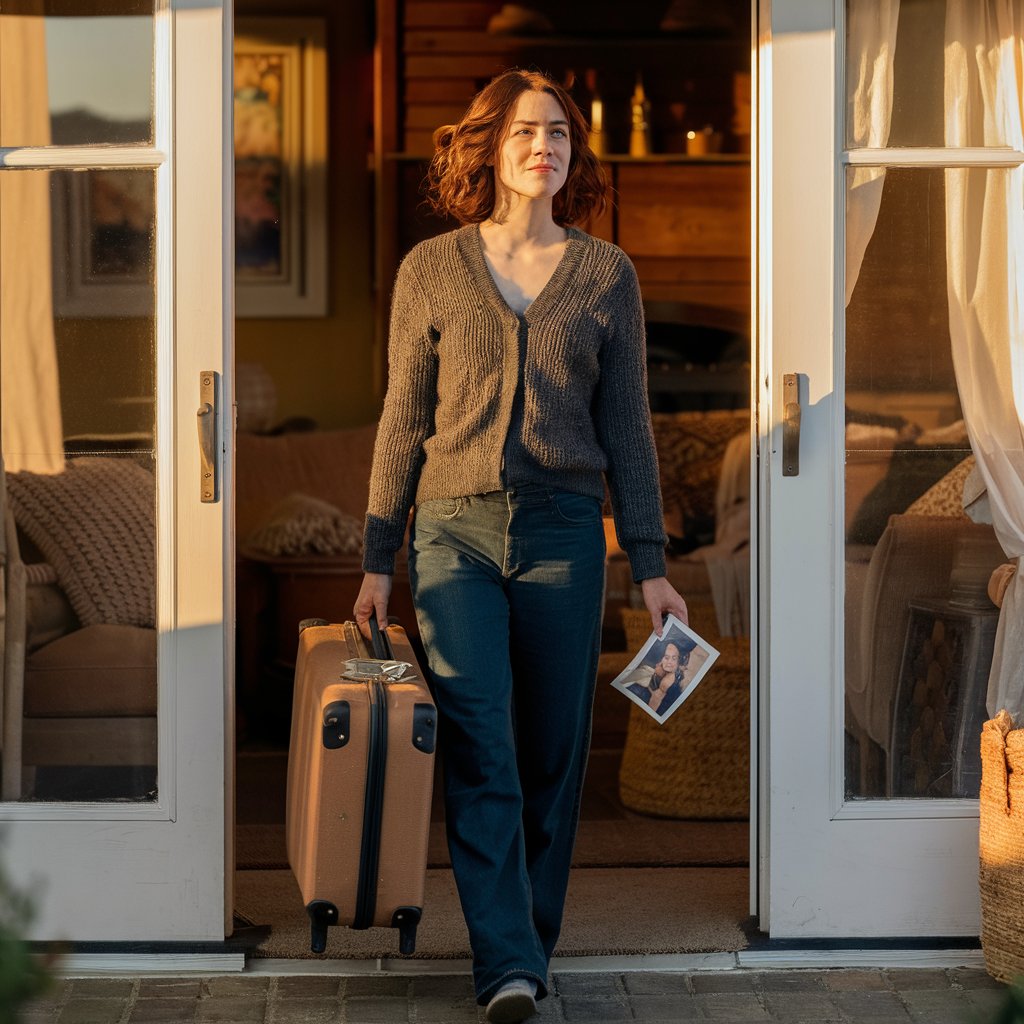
x=670 y=660
x=533 y=157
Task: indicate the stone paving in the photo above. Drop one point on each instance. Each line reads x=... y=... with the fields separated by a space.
x=923 y=996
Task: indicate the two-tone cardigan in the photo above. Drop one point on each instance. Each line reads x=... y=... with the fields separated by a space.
x=481 y=398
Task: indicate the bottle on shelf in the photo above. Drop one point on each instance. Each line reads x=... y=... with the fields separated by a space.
x=640 y=135
x=598 y=139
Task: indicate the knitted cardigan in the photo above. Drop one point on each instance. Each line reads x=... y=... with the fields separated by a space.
x=481 y=398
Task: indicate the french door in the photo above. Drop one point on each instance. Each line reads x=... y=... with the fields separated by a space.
x=116 y=341
x=887 y=172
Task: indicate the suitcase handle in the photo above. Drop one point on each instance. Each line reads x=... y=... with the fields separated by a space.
x=379 y=642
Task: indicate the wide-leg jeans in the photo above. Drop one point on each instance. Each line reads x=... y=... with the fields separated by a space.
x=508 y=588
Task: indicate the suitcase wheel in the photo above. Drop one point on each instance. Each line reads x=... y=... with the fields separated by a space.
x=321 y=914
x=406 y=920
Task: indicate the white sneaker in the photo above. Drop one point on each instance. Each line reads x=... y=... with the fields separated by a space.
x=513 y=1002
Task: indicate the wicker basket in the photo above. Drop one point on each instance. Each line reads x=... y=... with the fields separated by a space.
x=1001 y=847
x=697 y=763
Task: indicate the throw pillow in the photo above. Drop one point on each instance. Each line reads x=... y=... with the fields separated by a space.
x=303 y=525
x=95 y=523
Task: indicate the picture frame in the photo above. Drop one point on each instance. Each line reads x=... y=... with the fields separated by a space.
x=694 y=656
x=280 y=138
x=103 y=222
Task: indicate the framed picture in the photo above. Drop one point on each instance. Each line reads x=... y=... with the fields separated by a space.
x=280 y=107
x=103 y=224
x=666 y=670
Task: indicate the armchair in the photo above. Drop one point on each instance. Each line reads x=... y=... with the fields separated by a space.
x=78 y=683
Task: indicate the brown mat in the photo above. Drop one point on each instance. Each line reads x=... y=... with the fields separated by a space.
x=608 y=912
x=631 y=842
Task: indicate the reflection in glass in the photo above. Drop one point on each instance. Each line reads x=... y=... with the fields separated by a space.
x=919 y=623
x=79 y=502
x=900 y=64
x=75 y=72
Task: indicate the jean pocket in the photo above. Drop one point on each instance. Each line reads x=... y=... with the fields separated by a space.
x=576 y=509
x=441 y=508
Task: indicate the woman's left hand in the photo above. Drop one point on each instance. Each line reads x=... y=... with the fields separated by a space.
x=661 y=597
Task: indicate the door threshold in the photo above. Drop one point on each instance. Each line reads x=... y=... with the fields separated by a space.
x=761 y=960
x=83 y=965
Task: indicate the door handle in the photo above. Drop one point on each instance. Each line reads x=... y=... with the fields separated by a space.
x=791 y=424
x=206 y=421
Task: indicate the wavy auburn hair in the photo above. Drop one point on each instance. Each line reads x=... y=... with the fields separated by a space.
x=460 y=183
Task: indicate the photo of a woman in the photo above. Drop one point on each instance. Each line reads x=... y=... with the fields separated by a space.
x=517 y=392
x=660 y=685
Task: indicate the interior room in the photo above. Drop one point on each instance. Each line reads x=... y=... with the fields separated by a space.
x=665 y=809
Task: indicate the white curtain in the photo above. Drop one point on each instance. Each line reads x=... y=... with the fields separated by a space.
x=32 y=434
x=984 y=72
x=871 y=42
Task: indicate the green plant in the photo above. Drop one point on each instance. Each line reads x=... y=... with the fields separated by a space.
x=22 y=975
x=1012 y=1010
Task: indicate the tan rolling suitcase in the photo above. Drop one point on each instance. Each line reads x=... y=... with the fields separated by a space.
x=360 y=773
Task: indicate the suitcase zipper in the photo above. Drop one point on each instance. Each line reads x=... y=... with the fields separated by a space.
x=373 y=804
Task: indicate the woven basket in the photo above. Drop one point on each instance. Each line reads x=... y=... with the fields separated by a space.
x=636 y=622
x=1001 y=847
x=697 y=763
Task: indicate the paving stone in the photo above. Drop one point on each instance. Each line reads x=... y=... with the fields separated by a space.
x=985 y=1001
x=438 y=1010
x=789 y=981
x=378 y=985
x=590 y=986
x=307 y=986
x=33 y=1014
x=236 y=985
x=452 y=986
x=664 y=1006
x=376 y=1010
x=147 y=1010
x=591 y=1010
x=231 y=1008
x=645 y=983
x=971 y=977
x=102 y=988
x=53 y=995
x=881 y=1005
x=152 y=988
x=92 y=1011
x=731 y=1006
x=728 y=981
x=909 y=978
x=855 y=980
x=306 y=1011
x=797 y=1005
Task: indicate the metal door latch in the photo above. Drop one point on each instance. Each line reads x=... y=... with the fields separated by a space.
x=791 y=424
x=206 y=420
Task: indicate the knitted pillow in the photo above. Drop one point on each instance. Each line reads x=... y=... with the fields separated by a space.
x=302 y=525
x=95 y=523
x=691 y=446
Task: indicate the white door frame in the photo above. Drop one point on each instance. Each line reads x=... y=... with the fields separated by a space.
x=829 y=867
x=163 y=871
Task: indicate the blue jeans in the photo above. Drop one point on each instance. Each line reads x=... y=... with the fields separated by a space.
x=509 y=588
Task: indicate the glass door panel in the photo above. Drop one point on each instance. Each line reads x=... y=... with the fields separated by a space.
x=78 y=376
x=76 y=72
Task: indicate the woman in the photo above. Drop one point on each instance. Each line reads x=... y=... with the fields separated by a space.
x=660 y=685
x=517 y=385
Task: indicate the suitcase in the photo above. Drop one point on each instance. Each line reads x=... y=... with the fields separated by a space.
x=360 y=774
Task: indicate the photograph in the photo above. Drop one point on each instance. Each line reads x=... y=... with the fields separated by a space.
x=666 y=670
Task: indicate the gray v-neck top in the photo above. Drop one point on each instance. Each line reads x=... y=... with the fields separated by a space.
x=481 y=398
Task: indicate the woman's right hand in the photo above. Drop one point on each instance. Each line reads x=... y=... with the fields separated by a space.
x=374 y=594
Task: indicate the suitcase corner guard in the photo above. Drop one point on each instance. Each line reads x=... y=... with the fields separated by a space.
x=321 y=914
x=406 y=920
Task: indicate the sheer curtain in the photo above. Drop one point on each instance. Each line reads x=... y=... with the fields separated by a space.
x=984 y=72
x=32 y=435
x=871 y=45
